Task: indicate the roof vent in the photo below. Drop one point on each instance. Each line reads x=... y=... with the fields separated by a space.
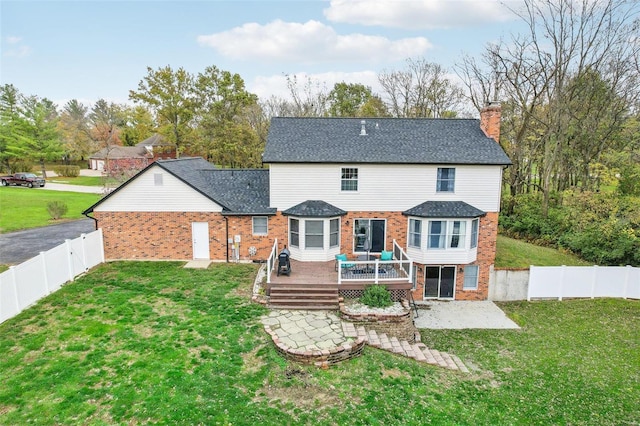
x=363 y=130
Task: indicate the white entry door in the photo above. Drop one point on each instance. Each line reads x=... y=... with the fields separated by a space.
x=200 y=238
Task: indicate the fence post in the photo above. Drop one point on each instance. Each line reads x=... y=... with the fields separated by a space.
x=561 y=289
x=627 y=277
x=44 y=271
x=529 y=285
x=594 y=281
x=69 y=259
x=101 y=245
x=84 y=251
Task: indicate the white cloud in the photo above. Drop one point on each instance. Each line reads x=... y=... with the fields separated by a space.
x=309 y=42
x=276 y=85
x=419 y=14
x=16 y=49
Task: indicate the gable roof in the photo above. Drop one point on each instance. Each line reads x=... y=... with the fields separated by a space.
x=314 y=208
x=238 y=191
x=118 y=151
x=387 y=140
x=437 y=209
x=155 y=140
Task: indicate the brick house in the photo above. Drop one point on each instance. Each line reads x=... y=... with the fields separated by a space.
x=427 y=190
x=132 y=157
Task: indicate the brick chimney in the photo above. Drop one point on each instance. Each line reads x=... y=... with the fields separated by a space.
x=490 y=120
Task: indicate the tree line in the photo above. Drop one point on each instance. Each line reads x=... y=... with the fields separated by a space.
x=569 y=87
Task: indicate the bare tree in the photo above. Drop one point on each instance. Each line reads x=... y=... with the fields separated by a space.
x=568 y=42
x=422 y=90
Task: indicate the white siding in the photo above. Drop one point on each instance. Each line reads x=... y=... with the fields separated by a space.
x=382 y=187
x=443 y=257
x=143 y=195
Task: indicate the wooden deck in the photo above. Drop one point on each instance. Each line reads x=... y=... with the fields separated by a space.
x=325 y=273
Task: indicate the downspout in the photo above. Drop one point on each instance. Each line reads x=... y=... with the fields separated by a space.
x=90 y=217
x=226 y=220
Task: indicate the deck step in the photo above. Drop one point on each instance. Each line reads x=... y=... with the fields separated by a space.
x=303 y=296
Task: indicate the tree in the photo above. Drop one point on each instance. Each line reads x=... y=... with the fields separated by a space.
x=169 y=95
x=310 y=100
x=74 y=130
x=575 y=59
x=347 y=100
x=42 y=138
x=137 y=124
x=422 y=90
x=223 y=104
x=13 y=127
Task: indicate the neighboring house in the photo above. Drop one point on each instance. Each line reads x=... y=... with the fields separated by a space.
x=132 y=157
x=334 y=185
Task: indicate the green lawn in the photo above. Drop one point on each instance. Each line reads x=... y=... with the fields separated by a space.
x=511 y=253
x=24 y=208
x=151 y=342
x=83 y=180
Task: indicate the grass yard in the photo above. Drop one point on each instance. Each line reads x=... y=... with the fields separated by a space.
x=151 y=342
x=511 y=253
x=24 y=208
x=84 y=180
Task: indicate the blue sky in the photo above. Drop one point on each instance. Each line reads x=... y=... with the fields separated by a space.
x=89 y=50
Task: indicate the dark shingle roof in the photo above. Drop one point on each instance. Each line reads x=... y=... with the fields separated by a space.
x=238 y=191
x=117 y=151
x=314 y=208
x=388 y=140
x=451 y=209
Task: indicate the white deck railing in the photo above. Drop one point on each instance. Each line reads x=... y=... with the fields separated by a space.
x=377 y=271
x=271 y=260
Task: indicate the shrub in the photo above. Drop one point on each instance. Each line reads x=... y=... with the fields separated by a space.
x=57 y=209
x=376 y=296
x=19 y=166
x=67 y=171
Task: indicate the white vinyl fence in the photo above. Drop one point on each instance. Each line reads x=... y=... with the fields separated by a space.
x=24 y=284
x=560 y=282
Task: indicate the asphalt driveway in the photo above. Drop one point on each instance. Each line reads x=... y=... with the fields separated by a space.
x=16 y=247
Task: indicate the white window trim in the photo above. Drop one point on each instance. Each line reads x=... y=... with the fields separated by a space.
x=356 y=180
x=297 y=232
x=438 y=180
x=253 y=225
x=323 y=222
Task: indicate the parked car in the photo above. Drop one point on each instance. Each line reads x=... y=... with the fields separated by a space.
x=23 y=179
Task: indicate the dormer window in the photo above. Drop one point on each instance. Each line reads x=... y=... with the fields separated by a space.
x=349 y=181
x=446 y=179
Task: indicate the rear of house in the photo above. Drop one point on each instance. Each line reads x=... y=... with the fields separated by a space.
x=426 y=188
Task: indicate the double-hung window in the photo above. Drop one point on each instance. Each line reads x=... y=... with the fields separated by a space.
x=260 y=225
x=437 y=233
x=313 y=233
x=334 y=232
x=294 y=232
x=474 y=233
x=415 y=235
x=349 y=180
x=457 y=232
x=470 y=277
x=446 y=179
x=449 y=234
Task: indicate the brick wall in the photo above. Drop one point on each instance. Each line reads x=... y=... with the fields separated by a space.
x=490 y=120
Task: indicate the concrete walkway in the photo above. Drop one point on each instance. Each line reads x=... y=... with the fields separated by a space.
x=459 y=314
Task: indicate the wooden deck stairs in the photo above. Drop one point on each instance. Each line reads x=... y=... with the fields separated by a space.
x=303 y=296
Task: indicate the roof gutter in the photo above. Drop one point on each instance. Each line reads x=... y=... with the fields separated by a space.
x=91 y=217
